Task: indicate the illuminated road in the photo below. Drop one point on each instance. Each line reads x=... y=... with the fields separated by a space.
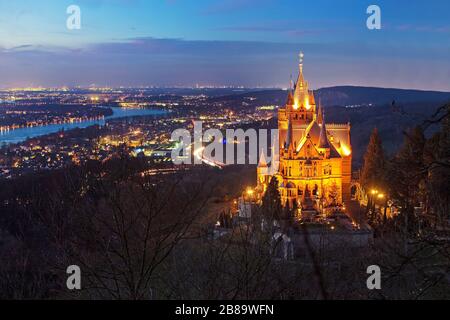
x=198 y=153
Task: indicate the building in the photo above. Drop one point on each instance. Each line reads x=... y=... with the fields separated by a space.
x=314 y=156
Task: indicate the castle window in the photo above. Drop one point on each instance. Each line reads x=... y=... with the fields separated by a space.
x=316 y=188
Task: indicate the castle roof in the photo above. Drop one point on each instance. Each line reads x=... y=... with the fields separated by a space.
x=289 y=138
x=323 y=138
x=290 y=99
x=319 y=138
x=312 y=100
x=315 y=135
x=320 y=113
x=262 y=161
x=301 y=91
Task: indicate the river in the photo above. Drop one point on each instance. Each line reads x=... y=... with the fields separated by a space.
x=22 y=134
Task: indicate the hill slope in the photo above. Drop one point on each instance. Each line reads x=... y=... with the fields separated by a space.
x=365 y=108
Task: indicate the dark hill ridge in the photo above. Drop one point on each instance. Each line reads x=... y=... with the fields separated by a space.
x=367 y=107
x=345 y=96
x=364 y=107
x=352 y=95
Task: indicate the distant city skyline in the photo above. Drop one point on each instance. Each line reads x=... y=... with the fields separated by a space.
x=224 y=43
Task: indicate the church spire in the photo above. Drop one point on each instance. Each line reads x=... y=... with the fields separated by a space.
x=262 y=161
x=300 y=80
x=290 y=97
x=289 y=137
x=301 y=94
x=323 y=138
x=300 y=63
x=320 y=113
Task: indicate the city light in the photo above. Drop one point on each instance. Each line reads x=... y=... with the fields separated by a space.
x=208 y=170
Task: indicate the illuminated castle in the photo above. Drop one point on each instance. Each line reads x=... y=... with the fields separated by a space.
x=314 y=156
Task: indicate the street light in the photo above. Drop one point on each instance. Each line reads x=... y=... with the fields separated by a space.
x=372 y=201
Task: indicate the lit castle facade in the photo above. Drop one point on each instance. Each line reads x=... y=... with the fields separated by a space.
x=314 y=156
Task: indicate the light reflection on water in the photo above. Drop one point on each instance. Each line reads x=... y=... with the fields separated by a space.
x=21 y=134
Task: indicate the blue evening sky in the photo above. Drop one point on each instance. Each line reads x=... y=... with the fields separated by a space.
x=225 y=42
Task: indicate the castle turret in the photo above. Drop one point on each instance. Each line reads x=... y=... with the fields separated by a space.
x=323 y=138
x=301 y=95
x=320 y=113
x=314 y=156
x=289 y=138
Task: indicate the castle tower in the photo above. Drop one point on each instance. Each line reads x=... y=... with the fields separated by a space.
x=315 y=156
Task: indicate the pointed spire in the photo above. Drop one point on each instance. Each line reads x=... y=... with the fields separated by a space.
x=301 y=86
x=300 y=80
x=320 y=113
x=323 y=139
x=262 y=160
x=300 y=64
x=289 y=138
x=290 y=98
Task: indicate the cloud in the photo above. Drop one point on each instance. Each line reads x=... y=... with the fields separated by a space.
x=156 y=61
x=213 y=48
x=282 y=30
x=19 y=48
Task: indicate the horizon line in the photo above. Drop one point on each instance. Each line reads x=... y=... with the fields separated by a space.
x=198 y=87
